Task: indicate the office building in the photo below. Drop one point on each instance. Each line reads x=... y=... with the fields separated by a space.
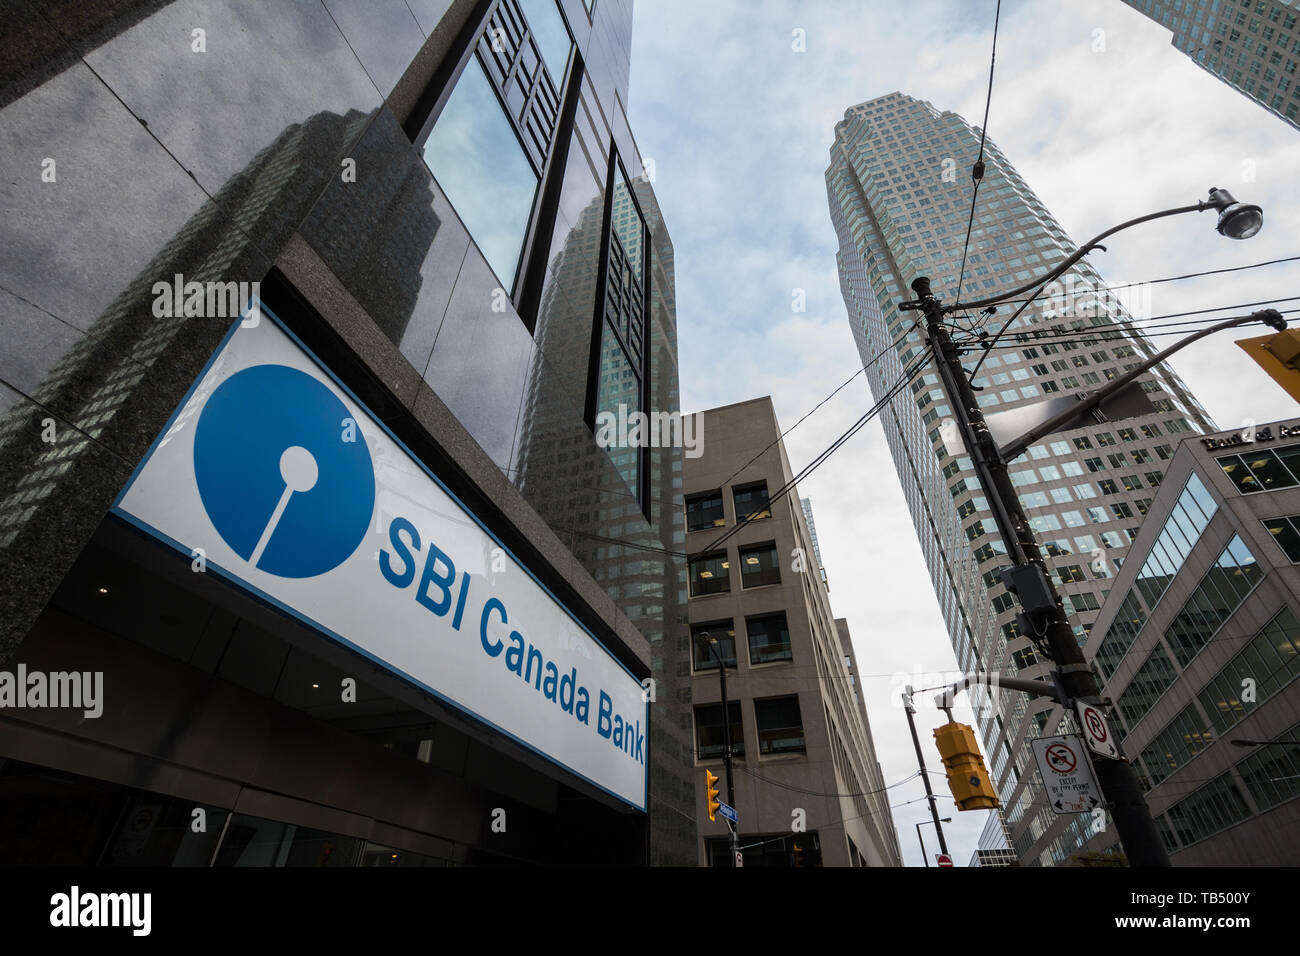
x=808 y=787
x=994 y=847
x=812 y=533
x=1252 y=45
x=313 y=311
x=900 y=195
x=1198 y=646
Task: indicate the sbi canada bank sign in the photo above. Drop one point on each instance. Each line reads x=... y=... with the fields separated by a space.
x=277 y=478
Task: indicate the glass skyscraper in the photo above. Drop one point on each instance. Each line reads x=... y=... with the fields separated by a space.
x=1252 y=45
x=900 y=187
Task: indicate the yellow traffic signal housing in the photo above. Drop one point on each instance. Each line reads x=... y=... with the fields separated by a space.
x=711 y=792
x=967 y=778
x=1277 y=354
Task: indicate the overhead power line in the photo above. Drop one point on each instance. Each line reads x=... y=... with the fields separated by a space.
x=878 y=356
x=977 y=171
x=1109 y=336
x=1179 y=278
x=852 y=430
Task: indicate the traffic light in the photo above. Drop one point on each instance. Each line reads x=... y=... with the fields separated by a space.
x=967 y=778
x=711 y=792
x=1277 y=354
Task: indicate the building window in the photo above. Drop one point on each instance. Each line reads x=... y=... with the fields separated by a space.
x=1184 y=738
x=724 y=632
x=709 y=574
x=478 y=161
x=1286 y=532
x=1272 y=774
x=490 y=143
x=768 y=850
x=1214 y=807
x=1150 y=681
x=751 y=502
x=709 y=741
x=769 y=638
x=1264 y=470
x=780 y=726
x=1070 y=574
x=759 y=566
x=1269 y=661
x=1215 y=599
x=622 y=372
x=704 y=511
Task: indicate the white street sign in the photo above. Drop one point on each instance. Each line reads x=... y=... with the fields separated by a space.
x=1067 y=775
x=1096 y=731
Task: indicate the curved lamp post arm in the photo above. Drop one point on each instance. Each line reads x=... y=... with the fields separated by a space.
x=1094 y=243
x=1236 y=220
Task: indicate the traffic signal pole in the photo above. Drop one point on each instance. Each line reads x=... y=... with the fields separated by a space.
x=733 y=828
x=910 y=709
x=1042 y=607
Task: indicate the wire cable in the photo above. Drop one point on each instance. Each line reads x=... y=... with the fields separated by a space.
x=852 y=430
x=1189 y=275
x=892 y=393
x=879 y=355
x=819 y=793
x=977 y=171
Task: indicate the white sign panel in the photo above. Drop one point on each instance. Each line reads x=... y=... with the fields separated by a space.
x=277 y=478
x=1096 y=731
x=1067 y=775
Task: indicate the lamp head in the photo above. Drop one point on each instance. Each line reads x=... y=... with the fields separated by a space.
x=1237 y=220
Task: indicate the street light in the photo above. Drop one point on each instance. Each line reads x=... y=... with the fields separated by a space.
x=924 y=856
x=1042 y=610
x=1237 y=220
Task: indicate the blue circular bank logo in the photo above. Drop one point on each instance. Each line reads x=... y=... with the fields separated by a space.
x=283 y=471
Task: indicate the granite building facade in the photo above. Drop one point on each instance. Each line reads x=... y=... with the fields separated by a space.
x=442 y=202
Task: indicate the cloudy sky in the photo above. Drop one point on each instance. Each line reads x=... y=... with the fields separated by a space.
x=1103 y=118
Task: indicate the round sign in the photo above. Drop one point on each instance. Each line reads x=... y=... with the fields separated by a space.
x=1096 y=725
x=944 y=859
x=1060 y=758
x=289 y=486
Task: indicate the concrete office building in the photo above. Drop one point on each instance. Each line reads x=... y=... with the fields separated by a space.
x=1252 y=45
x=1198 y=645
x=311 y=311
x=808 y=788
x=900 y=195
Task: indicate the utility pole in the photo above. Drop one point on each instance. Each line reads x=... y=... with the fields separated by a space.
x=712 y=644
x=910 y=709
x=1043 y=617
